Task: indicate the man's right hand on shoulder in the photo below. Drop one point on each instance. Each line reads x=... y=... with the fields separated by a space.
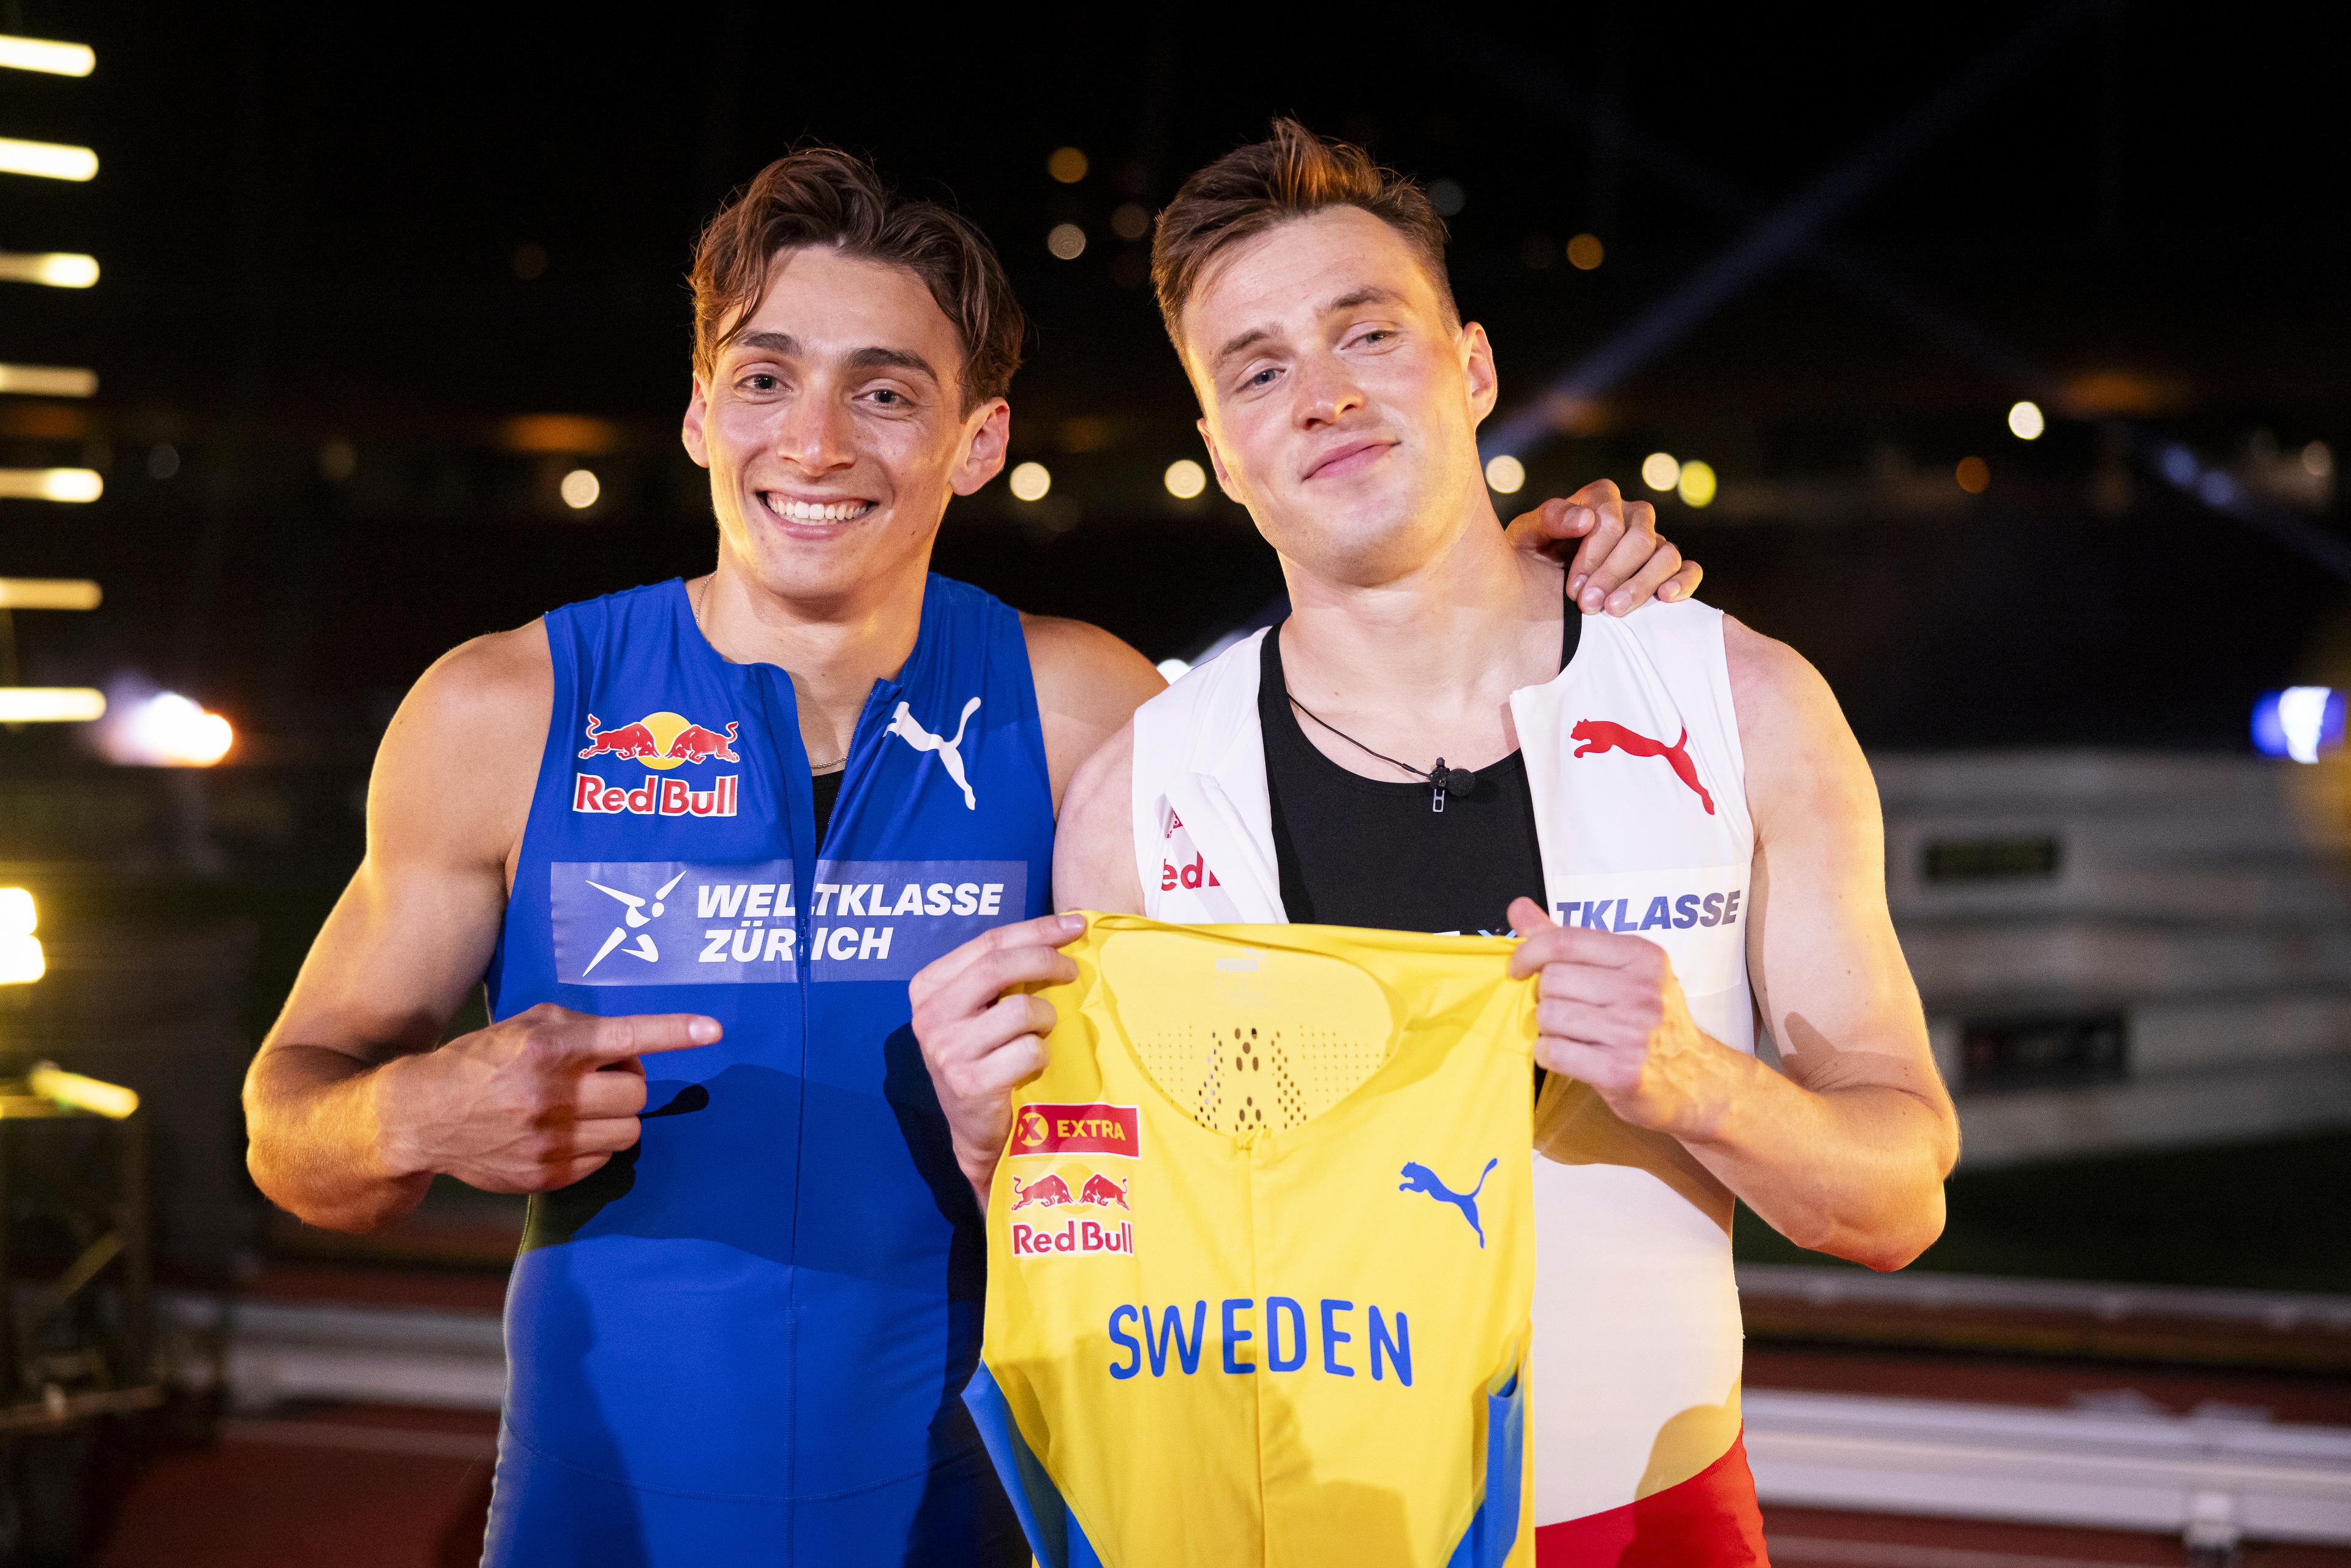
x=535 y=1102
x=982 y=1035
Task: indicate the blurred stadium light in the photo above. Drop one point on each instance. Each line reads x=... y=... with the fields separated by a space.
x=56 y=268
x=21 y=959
x=50 y=705
x=2298 y=722
x=47 y=160
x=46 y=55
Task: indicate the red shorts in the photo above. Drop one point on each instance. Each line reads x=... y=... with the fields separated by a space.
x=1709 y=1521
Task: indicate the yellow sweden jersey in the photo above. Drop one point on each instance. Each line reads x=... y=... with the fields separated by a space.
x=1261 y=1253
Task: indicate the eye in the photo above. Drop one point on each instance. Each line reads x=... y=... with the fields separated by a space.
x=887 y=398
x=760 y=380
x=1375 y=335
x=1263 y=378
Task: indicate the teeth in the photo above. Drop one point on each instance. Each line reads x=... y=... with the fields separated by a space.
x=818 y=512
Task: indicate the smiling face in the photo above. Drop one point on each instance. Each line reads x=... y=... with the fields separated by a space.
x=1341 y=401
x=833 y=427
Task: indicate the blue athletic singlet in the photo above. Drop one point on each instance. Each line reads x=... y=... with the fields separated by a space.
x=745 y=1340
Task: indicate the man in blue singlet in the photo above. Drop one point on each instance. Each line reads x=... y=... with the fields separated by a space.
x=697 y=837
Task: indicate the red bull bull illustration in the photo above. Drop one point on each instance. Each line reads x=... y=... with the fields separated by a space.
x=1046 y=1192
x=661 y=741
x=1102 y=1192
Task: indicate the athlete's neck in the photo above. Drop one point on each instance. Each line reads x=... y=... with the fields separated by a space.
x=1425 y=660
x=834 y=651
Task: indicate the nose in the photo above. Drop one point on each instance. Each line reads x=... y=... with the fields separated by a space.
x=814 y=434
x=1329 y=392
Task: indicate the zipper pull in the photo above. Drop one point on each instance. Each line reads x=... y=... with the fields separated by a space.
x=1436 y=788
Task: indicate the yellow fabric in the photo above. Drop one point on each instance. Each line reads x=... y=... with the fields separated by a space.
x=1258 y=1098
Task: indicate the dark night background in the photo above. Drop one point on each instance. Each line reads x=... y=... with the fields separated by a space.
x=337 y=244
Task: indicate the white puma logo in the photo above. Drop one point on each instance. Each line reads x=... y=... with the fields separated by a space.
x=904 y=727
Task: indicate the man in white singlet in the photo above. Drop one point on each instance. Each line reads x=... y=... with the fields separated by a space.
x=1668 y=807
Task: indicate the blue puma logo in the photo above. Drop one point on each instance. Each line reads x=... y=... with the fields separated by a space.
x=1418 y=1177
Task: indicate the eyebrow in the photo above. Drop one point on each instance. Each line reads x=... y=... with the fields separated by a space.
x=1374 y=295
x=867 y=359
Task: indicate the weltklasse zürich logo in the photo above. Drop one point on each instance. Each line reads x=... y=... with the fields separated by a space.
x=674 y=923
x=660 y=742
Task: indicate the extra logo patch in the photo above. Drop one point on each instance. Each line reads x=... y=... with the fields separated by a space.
x=1043 y=1128
x=660 y=741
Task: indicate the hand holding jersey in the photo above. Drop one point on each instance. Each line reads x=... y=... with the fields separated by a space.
x=1613 y=1016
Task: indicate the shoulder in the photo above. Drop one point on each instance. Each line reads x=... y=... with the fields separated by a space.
x=1076 y=655
x=489 y=701
x=1801 y=756
x=1088 y=684
x=501 y=678
x=1773 y=687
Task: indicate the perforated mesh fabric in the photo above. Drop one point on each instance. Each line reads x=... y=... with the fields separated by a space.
x=1262 y=1041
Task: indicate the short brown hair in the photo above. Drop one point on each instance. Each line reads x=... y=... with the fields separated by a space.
x=823 y=197
x=1290 y=175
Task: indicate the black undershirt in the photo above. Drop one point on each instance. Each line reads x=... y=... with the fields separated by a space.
x=826 y=787
x=1370 y=852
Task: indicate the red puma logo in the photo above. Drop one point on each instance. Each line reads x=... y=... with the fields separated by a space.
x=1599 y=734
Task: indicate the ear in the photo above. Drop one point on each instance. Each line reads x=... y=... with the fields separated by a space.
x=1477 y=370
x=1217 y=462
x=697 y=409
x=983 y=450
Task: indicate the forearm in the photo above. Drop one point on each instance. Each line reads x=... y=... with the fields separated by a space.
x=317 y=1140
x=1856 y=1171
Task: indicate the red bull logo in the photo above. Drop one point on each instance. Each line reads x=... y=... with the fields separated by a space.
x=661 y=741
x=1072 y=1233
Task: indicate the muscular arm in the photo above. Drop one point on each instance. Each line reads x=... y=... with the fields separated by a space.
x=1845 y=1149
x=350 y=1108
x=1846 y=1152
x=1089 y=684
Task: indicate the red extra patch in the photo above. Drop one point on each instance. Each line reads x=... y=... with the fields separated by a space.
x=1047 y=1128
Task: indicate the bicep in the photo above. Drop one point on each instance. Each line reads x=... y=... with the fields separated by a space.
x=1094 y=841
x=1830 y=977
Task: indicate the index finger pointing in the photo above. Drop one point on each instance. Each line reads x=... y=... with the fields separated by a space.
x=615 y=1039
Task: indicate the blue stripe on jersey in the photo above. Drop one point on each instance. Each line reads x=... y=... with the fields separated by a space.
x=775 y=1298
x=1054 y=1534
x=1494 y=1528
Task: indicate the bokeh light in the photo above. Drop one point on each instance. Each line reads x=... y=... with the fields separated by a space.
x=1030 y=481
x=1067 y=241
x=1585 y=252
x=1185 y=478
x=1659 y=471
x=1974 y=476
x=1068 y=165
x=1506 y=475
x=579 y=490
x=2024 y=420
x=1696 y=485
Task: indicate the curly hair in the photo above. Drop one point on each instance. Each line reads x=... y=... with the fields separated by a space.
x=823 y=197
